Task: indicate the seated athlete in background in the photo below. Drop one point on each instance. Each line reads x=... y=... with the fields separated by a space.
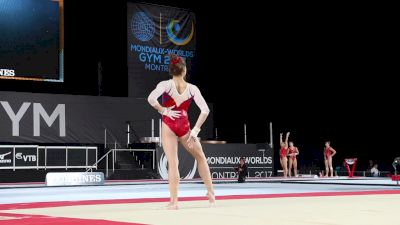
x=177 y=95
x=242 y=170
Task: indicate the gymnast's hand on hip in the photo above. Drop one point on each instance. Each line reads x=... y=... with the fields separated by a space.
x=172 y=114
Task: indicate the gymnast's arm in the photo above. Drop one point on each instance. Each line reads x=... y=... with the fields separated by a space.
x=152 y=99
x=287 y=139
x=154 y=95
x=201 y=103
x=333 y=152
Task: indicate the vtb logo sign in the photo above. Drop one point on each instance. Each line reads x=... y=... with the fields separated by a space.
x=26 y=158
x=38 y=112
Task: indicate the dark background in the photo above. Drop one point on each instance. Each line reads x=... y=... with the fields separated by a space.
x=321 y=72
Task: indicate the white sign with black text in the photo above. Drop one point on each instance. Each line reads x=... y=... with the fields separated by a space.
x=74 y=178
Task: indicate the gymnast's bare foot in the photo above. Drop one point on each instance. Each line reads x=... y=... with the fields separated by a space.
x=211 y=198
x=172 y=206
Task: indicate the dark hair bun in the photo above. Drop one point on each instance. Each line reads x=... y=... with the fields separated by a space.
x=176 y=65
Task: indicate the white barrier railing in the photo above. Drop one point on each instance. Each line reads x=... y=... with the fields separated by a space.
x=114 y=158
x=29 y=157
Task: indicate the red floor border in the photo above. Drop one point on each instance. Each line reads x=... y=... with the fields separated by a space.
x=23 y=219
x=229 y=197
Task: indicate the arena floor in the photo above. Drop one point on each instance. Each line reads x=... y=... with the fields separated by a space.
x=258 y=202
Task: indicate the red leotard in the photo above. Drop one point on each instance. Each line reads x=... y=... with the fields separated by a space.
x=180 y=126
x=292 y=151
x=327 y=152
x=283 y=152
x=171 y=97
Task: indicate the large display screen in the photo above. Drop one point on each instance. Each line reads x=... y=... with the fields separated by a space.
x=31 y=40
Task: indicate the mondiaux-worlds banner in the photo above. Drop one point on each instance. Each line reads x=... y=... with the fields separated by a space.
x=222 y=160
x=154 y=32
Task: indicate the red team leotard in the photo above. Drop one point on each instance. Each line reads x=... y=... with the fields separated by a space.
x=328 y=152
x=292 y=151
x=171 y=97
x=283 y=152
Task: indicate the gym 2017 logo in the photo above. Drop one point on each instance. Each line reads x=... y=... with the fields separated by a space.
x=144 y=28
x=173 y=29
